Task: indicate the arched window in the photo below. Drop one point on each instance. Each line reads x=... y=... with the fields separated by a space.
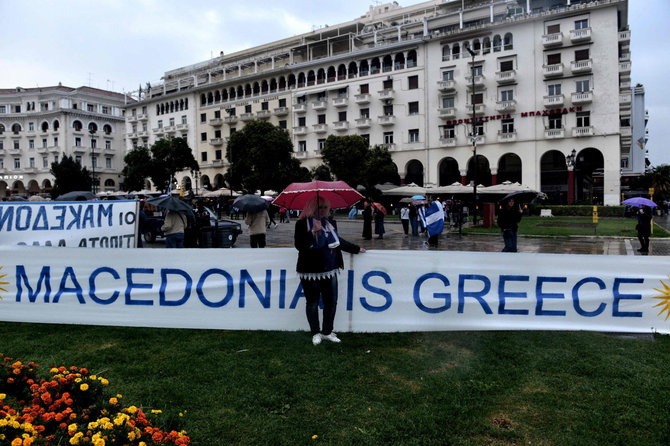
x=163 y=108
x=93 y=127
x=291 y=81
x=247 y=90
x=273 y=84
x=476 y=46
x=281 y=85
x=2 y=129
x=321 y=76
x=16 y=128
x=497 y=43
x=446 y=53
x=217 y=96
x=455 y=51
x=387 y=64
x=181 y=105
x=411 y=59
x=109 y=182
x=171 y=106
x=365 y=68
x=107 y=129
x=210 y=98
x=45 y=126
x=56 y=125
x=311 y=78
x=487 y=45
x=509 y=43
x=185 y=103
x=224 y=95
x=264 y=86
x=77 y=125
x=240 y=91
x=331 y=74
x=375 y=66
x=257 y=89
x=466 y=46
x=203 y=99
x=158 y=109
x=353 y=70
x=302 y=80
x=399 y=62
x=341 y=72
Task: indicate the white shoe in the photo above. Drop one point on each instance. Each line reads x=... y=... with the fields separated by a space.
x=332 y=337
x=316 y=339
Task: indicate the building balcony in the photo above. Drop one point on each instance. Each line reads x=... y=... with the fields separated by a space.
x=41 y=149
x=446 y=86
x=340 y=126
x=281 y=111
x=580 y=35
x=447 y=113
x=301 y=130
x=216 y=142
x=247 y=117
x=624 y=85
x=300 y=155
x=506 y=106
x=581 y=66
x=32 y=169
x=170 y=129
x=391 y=147
x=550 y=40
x=506 y=77
x=182 y=127
x=387 y=93
x=320 y=128
x=386 y=120
x=54 y=149
x=263 y=114
x=363 y=123
x=624 y=57
x=554 y=70
x=341 y=101
x=447 y=141
x=79 y=149
x=506 y=136
x=216 y=122
x=300 y=108
x=626 y=131
x=480 y=109
x=158 y=131
x=582 y=131
x=143 y=134
x=624 y=112
x=362 y=99
x=142 y=117
x=479 y=81
x=580 y=98
x=230 y=119
x=624 y=36
x=624 y=68
x=131 y=119
x=553 y=101
x=625 y=100
x=554 y=133
x=319 y=105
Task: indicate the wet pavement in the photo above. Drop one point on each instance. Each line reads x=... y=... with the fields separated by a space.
x=282 y=236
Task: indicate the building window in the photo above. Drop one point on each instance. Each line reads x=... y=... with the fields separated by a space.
x=45 y=161
x=31 y=126
x=581 y=55
x=144 y=125
x=56 y=159
x=624 y=163
x=247 y=109
x=203 y=136
x=413 y=108
x=555 y=122
x=31 y=144
x=203 y=157
x=3 y=109
x=448 y=102
x=321 y=144
x=217 y=114
x=282 y=124
x=183 y=119
x=31 y=162
x=2 y=145
x=553 y=59
x=414 y=135
x=553 y=29
x=507 y=95
x=77 y=142
x=17 y=163
x=90 y=107
x=108 y=163
x=342 y=116
x=477 y=98
x=507 y=65
x=388 y=137
x=413 y=82
x=388 y=110
x=322 y=119
x=366 y=137
x=105 y=110
x=17 y=108
x=582 y=86
x=365 y=88
x=44 y=143
x=217 y=134
x=134 y=128
x=94 y=143
x=582 y=24
x=388 y=84
x=108 y=145
x=477 y=70
x=479 y=129
x=16 y=145
x=554 y=89
x=282 y=102
x=160 y=123
x=365 y=113
x=56 y=141
x=265 y=106
x=448 y=75
x=449 y=131
x=171 y=123
x=302 y=146
x=583 y=119
x=302 y=121
x=217 y=154
x=508 y=126
x=203 y=117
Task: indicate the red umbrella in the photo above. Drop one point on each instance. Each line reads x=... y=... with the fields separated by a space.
x=338 y=193
x=381 y=207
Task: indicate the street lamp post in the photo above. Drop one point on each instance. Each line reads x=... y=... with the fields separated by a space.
x=92 y=133
x=570 y=162
x=474 y=135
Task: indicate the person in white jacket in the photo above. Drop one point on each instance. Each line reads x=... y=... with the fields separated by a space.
x=173 y=228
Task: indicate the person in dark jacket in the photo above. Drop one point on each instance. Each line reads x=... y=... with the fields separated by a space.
x=413 y=219
x=379 y=223
x=367 y=221
x=319 y=261
x=644 y=228
x=508 y=222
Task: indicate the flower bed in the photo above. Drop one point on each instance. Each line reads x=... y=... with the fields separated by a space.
x=71 y=406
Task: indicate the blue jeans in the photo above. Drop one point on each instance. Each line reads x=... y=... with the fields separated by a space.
x=326 y=289
x=174 y=240
x=509 y=237
x=415 y=226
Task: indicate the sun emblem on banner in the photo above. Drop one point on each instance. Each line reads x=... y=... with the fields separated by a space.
x=3 y=283
x=664 y=299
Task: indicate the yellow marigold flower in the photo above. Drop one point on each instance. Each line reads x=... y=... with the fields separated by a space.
x=156 y=411
x=74 y=440
x=93 y=425
x=2 y=396
x=108 y=426
x=3 y=423
x=131 y=436
x=142 y=444
x=16 y=442
x=181 y=414
x=28 y=441
x=113 y=401
x=53 y=370
x=2 y=437
x=100 y=442
x=94 y=377
x=71 y=428
x=104 y=381
x=84 y=387
x=132 y=409
x=314 y=437
x=78 y=380
x=119 y=396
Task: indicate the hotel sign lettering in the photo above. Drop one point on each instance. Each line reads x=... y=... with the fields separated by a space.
x=555 y=111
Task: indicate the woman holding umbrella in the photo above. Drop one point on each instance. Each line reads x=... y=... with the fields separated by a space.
x=644 y=228
x=508 y=222
x=319 y=261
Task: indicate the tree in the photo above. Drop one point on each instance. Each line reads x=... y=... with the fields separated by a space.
x=261 y=158
x=170 y=156
x=379 y=168
x=69 y=175
x=344 y=156
x=321 y=172
x=137 y=168
x=658 y=178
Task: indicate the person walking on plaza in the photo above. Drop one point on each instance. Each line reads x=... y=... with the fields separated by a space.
x=508 y=222
x=414 y=219
x=404 y=218
x=173 y=228
x=367 y=221
x=644 y=228
x=271 y=214
x=379 y=223
x=319 y=261
x=258 y=223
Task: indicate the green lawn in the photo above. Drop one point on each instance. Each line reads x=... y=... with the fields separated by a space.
x=567 y=226
x=461 y=388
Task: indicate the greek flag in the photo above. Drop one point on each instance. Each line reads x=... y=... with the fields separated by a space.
x=433 y=218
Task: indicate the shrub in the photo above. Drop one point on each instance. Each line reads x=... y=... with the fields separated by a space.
x=579 y=210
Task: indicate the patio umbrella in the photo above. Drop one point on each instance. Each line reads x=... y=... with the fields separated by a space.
x=250 y=203
x=406 y=200
x=77 y=195
x=338 y=193
x=418 y=197
x=171 y=204
x=381 y=207
x=406 y=191
x=521 y=196
x=638 y=202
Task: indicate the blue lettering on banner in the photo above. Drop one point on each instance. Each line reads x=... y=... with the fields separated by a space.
x=282 y=288
x=6 y=217
x=540 y=296
x=41 y=217
x=245 y=277
x=79 y=292
x=230 y=289
x=350 y=290
x=26 y=223
x=618 y=297
x=91 y=286
x=87 y=218
x=477 y=295
x=575 y=297
x=105 y=212
x=445 y=296
x=162 y=299
x=45 y=278
x=76 y=214
x=142 y=286
x=60 y=218
x=374 y=289
x=502 y=294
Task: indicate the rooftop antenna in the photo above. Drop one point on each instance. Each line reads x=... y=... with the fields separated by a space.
x=90 y=76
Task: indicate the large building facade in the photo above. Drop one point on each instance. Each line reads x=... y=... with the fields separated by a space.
x=544 y=86
x=38 y=126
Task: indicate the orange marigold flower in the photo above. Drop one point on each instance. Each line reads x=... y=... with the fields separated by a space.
x=10 y=380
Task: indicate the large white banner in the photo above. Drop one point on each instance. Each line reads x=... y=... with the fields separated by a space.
x=84 y=224
x=379 y=291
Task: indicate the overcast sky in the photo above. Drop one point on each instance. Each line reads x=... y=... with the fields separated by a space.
x=118 y=45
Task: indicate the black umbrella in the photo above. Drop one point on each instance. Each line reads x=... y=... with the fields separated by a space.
x=521 y=196
x=250 y=203
x=77 y=195
x=171 y=204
